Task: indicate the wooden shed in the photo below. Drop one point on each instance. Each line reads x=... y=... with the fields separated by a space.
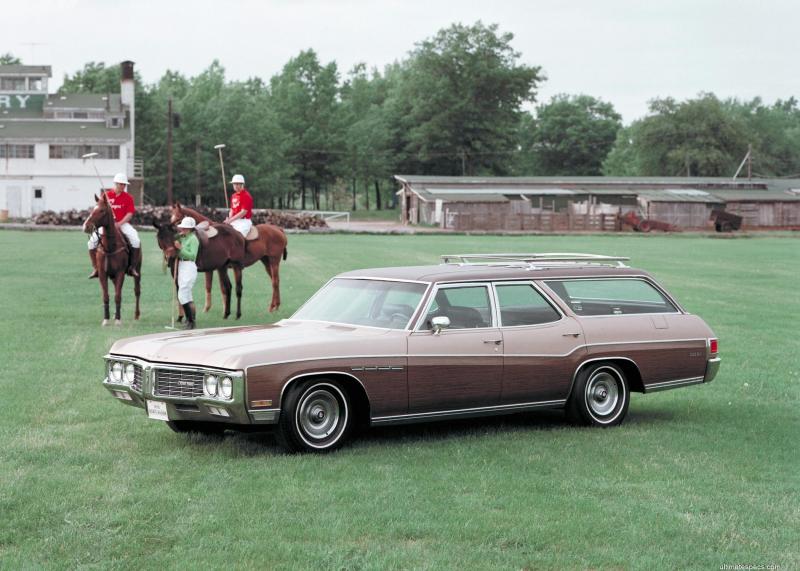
x=592 y=203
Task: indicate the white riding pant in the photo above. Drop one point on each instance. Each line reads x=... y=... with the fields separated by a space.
x=187 y=274
x=130 y=233
x=243 y=225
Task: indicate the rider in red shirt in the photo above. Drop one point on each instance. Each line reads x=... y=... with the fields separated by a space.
x=241 y=212
x=123 y=209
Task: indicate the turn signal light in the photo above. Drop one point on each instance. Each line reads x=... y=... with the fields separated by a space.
x=713 y=345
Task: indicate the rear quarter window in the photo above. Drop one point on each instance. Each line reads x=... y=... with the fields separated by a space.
x=611 y=296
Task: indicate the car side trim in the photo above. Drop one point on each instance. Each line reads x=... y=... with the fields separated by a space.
x=666 y=385
x=466 y=412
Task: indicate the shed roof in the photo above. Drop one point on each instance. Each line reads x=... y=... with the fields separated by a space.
x=709 y=190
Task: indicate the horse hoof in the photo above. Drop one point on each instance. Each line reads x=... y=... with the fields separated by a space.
x=104 y=322
x=206 y=309
x=117 y=322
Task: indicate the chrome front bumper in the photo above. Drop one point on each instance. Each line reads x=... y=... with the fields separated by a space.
x=195 y=408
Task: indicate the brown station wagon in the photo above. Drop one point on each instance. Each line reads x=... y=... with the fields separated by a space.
x=476 y=335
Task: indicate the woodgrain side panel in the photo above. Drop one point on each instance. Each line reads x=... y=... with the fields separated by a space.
x=386 y=389
x=660 y=362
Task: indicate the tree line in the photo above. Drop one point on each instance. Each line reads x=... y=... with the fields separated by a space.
x=461 y=103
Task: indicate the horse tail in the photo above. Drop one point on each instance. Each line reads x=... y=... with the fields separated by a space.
x=285 y=252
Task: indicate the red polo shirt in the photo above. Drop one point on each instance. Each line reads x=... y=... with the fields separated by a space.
x=121 y=204
x=242 y=201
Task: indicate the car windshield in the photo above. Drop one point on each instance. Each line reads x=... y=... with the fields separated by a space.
x=377 y=303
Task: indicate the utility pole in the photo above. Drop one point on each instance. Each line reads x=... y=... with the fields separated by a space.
x=749 y=161
x=169 y=152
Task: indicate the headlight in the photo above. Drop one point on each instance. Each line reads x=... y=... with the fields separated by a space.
x=115 y=370
x=127 y=374
x=226 y=387
x=210 y=384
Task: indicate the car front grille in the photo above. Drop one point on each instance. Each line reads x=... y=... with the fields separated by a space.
x=178 y=383
x=138 y=375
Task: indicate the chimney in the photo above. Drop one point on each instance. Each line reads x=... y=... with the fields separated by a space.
x=126 y=90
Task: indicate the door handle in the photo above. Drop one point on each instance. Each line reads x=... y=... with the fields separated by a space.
x=571 y=335
x=495 y=341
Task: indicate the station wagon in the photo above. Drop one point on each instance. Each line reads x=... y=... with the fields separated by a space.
x=479 y=334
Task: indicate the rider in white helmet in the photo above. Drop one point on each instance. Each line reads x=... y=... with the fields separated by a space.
x=241 y=210
x=122 y=206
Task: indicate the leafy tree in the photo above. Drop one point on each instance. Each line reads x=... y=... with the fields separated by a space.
x=573 y=134
x=304 y=97
x=697 y=137
x=9 y=59
x=95 y=77
x=457 y=103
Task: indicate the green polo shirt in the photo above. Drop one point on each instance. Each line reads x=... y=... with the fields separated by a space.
x=189 y=247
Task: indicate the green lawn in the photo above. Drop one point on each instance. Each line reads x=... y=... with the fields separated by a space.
x=695 y=478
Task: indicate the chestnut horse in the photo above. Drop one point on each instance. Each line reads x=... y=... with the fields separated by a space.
x=214 y=254
x=269 y=248
x=112 y=257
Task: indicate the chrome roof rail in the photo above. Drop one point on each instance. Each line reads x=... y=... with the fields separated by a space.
x=535 y=259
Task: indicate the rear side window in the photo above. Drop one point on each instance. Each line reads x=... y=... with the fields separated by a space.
x=611 y=296
x=521 y=304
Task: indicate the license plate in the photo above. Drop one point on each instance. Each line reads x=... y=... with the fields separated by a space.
x=157 y=410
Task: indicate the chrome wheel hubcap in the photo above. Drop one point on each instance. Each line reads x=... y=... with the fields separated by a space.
x=319 y=414
x=602 y=393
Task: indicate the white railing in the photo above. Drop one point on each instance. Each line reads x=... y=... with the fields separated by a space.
x=326 y=215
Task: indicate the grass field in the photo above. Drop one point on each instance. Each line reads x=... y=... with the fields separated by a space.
x=695 y=478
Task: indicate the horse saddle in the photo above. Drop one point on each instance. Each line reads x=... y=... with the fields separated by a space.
x=252 y=234
x=206 y=228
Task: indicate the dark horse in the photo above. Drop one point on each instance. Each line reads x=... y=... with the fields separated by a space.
x=215 y=254
x=269 y=248
x=112 y=257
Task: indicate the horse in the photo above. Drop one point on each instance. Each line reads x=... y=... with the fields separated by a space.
x=214 y=254
x=269 y=248
x=112 y=257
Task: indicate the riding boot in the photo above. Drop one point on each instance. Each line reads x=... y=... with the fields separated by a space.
x=187 y=309
x=93 y=256
x=135 y=260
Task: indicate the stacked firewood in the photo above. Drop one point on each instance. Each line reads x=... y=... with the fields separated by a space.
x=146 y=215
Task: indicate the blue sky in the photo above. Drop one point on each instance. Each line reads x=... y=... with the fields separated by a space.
x=623 y=51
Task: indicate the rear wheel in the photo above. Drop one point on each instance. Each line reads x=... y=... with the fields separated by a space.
x=600 y=396
x=317 y=417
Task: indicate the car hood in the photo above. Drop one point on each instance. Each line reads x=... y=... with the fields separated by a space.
x=242 y=347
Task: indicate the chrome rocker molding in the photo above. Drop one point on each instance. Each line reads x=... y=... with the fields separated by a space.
x=466 y=412
x=666 y=385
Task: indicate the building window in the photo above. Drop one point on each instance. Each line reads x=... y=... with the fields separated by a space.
x=115 y=121
x=37 y=192
x=12 y=84
x=16 y=151
x=34 y=84
x=77 y=151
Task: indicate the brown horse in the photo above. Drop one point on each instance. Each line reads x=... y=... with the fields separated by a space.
x=269 y=248
x=112 y=257
x=214 y=254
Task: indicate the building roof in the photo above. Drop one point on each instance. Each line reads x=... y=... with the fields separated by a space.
x=110 y=101
x=18 y=69
x=709 y=190
x=57 y=131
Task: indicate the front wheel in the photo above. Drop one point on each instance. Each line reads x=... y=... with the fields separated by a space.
x=317 y=417
x=600 y=396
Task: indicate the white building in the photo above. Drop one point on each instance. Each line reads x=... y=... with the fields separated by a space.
x=42 y=139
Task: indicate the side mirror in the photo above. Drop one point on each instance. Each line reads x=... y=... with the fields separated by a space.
x=440 y=322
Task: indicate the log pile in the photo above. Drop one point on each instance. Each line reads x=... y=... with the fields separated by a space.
x=146 y=215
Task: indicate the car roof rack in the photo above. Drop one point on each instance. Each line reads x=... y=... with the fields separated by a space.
x=535 y=260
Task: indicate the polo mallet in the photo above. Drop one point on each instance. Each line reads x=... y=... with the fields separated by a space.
x=174 y=295
x=97 y=172
x=222 y=168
